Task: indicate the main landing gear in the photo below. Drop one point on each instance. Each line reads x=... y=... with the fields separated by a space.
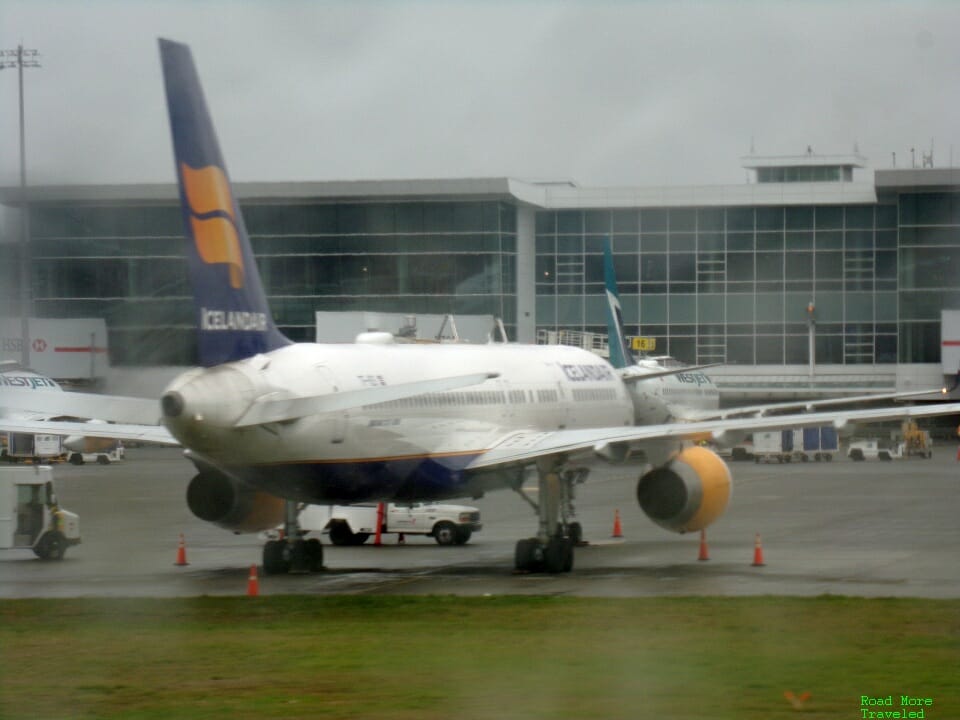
x=292 y=553
x=551 y=550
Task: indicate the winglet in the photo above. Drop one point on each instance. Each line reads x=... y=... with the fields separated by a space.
x=233 y=319
x=620 y=355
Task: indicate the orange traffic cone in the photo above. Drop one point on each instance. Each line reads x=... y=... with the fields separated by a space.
x=757 y=553
x=181 y=552
x=401 y=540
x=704 y=553
x=253 y=584
x=617 y=530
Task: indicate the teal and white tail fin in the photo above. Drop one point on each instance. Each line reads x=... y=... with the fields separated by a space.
x=620 y=354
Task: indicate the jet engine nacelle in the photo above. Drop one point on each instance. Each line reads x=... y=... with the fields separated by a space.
x=223 y=501
x=688 y=493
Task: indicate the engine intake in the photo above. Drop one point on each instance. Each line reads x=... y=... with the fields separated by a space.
x=221 y=500
x=687 y=494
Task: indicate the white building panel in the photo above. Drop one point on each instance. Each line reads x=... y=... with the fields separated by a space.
x=62 y=349
x=950 y=341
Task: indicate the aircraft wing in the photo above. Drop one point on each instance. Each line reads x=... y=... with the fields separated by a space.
x=114 y=408
x=809 y=405
x=118 y=431
x=523 y=446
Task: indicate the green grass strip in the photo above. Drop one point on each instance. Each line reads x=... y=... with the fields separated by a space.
x=419 y=658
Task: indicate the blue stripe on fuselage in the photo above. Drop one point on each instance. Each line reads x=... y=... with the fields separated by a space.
x=402 y=478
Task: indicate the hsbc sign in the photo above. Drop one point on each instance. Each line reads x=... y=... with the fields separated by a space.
x=61 y=349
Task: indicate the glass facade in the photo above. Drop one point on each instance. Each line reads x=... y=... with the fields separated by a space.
x=730 y=285
x=929 y=270
x=125 y=263
x=711 y=282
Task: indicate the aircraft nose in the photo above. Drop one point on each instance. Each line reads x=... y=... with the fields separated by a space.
x=200 y=400
x=172 y=404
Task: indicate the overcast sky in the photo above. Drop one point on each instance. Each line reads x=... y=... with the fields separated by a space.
x=601 y=92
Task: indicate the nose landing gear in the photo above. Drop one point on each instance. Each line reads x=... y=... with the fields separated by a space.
x=292 y=553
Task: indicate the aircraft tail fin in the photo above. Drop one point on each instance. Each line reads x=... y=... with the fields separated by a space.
x=233 y=318
x=620 y=354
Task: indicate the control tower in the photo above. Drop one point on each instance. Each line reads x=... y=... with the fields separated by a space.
x=803 y=168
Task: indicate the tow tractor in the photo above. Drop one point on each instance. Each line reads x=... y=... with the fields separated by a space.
x=101 y=457
x=29 y=515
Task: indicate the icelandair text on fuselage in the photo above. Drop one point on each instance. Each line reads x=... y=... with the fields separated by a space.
x=583 y=373
x=232 y=320
x=876 y=707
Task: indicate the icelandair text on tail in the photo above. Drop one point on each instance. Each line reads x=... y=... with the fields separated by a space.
x=232 y=320
x=888 y=707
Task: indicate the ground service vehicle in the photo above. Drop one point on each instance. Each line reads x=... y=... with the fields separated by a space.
x=816 y=443
x=102 y=457
x=875 y=449
x=30 y=446
x=773 y=446
x=354 y=524
x=916 y=442
x=29 y=515
x=802 y=444
x=911 y=441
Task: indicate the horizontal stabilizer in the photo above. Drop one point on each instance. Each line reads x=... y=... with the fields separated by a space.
x=271 y=409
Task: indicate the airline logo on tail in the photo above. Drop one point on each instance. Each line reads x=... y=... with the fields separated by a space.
x=620 y=356
x=212 y=221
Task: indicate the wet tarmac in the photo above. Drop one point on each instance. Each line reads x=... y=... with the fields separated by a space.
x=863 y=529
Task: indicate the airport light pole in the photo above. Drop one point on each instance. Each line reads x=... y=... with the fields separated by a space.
x=21 y=58
x=811 y=327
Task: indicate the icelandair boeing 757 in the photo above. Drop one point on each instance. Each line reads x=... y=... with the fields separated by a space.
x=269 y=423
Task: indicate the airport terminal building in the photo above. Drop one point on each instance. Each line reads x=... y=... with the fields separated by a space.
x=751 y=275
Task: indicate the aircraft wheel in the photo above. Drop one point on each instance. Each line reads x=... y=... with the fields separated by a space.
x=299 y=557
x=525 y=556
x=558 y=555
x=575 y=532
x=314 y=555
x=275 y=560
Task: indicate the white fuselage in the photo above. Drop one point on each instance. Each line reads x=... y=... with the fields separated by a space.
x=427 y=439
x=681 y=396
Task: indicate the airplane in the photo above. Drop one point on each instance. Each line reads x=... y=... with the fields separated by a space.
x=663 y=389
x=16 y=377
x=270 y=424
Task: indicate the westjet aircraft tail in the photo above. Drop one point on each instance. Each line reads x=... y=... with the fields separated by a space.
x=233 y=319
x=620 y=355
